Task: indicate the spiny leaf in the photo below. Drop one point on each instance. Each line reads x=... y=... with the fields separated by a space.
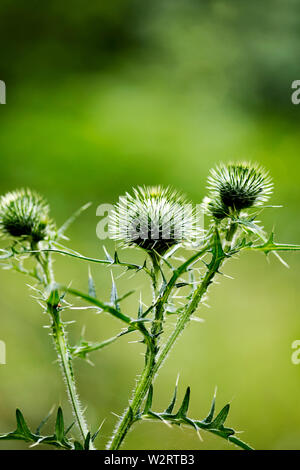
x=98 y=303
x=221 y=417
x=173 y=401
x=210 y=415
x=185 y=403
x=23 y=433
x=22 y=427
x=86 y=347
x=215 y=427
x=270 y=245
x=87 y=441
x=239 y=443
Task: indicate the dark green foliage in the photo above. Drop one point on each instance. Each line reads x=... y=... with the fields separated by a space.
x=23 y=433
x=233 y=189
x=214 y=425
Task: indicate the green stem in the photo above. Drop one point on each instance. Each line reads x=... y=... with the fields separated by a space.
x=62 y=347
x=158 y=313
x=147 y=375
x=90 y=260
x=138 y=396
x=154 y=361
x=66 y=364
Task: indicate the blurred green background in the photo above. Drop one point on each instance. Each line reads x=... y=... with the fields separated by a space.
x=102 y=96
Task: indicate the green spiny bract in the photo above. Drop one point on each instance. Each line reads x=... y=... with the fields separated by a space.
x=235 y=187
x=153 y=218
x=25 y=214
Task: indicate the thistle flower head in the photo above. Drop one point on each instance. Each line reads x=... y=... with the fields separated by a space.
x=235 y=187
x=24 y=214
x=153 y=218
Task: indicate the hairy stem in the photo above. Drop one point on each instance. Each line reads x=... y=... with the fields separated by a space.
x=66 y=364
x=62 y=346
x=154 y=360
x=146 y=377
x=139 y=394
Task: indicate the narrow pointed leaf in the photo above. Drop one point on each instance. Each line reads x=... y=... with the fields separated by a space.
x=59 y=425
x=87 y=441
x=101 y=305
x=173 y=401
x=211 y=413
x=22 y=427
x=215 y=427
x=185 y=403
x=221 y=417
x=240 y=443
x=91 y=284
x=149 y=400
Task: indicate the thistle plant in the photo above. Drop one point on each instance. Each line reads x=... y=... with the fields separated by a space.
x=24 y=215
x=159 y=222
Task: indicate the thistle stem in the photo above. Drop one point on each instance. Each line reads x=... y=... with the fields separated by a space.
x=154 y=360
x=62 y=347
x=66 y=364
x=146 y=377
x=139 y=394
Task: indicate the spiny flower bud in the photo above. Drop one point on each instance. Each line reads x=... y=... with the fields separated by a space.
x=235 y=187
x=24 y=214
x=153 y=218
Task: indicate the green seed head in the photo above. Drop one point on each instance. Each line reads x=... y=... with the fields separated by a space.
x=24 y=214
x=235 y=187
x=153 y=218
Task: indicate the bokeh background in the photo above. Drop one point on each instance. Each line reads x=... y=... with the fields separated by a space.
x=102 y=96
